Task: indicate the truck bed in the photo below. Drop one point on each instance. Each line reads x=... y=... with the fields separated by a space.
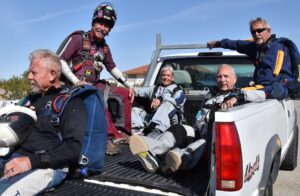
x=125 y=168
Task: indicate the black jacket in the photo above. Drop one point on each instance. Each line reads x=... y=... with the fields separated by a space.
x=43 y=146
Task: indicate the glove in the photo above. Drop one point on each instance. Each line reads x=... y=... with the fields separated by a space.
x=238 y=95
x=201 y=122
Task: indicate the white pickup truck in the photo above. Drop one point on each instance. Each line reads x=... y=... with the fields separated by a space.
x=248 y=144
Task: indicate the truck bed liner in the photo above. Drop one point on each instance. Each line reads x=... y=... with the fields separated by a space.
x=125 y=168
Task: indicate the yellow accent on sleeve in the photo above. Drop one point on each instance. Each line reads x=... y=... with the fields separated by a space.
x=249 y=88
x=256 y=87
x=259 y=86
x=279 y=62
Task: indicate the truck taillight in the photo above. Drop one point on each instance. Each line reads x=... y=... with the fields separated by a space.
x=228 y=157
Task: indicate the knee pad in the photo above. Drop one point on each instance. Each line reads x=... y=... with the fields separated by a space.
x=183 y=134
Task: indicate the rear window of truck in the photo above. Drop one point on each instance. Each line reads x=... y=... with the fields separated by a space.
x=199 y=73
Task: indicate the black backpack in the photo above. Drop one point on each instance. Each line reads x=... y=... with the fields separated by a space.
x=95 y=136
x=293 y=86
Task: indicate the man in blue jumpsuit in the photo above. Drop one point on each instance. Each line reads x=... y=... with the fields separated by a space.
x=271 y=58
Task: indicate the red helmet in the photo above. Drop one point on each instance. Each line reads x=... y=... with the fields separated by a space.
x=105 y=12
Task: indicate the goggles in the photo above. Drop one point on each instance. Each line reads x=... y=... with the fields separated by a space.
x=254 y=31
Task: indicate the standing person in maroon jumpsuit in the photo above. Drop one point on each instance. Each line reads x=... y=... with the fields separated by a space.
x=85 y=54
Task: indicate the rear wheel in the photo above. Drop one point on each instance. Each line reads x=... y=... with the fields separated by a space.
x=290 y=161
x=269 y=186
x=272 y=175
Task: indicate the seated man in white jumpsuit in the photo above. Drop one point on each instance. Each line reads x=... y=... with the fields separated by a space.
x=183 y=145
x=166 y=105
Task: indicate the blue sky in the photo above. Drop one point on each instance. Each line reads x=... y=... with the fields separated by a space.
x=34 y=24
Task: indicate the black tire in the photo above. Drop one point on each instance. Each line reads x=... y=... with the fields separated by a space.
x=290 y=161
x=272 y=175
x=269 y=186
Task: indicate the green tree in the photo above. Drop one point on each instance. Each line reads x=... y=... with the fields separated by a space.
x=16 y=87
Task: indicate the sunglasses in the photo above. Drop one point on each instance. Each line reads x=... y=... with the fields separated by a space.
x=253 y=32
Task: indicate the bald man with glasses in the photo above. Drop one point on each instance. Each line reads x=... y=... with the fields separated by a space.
x=271 y=59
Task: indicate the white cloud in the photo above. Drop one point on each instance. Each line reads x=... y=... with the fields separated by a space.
x=52 y=15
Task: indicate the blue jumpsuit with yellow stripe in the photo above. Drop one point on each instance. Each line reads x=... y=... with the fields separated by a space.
x=272 y=64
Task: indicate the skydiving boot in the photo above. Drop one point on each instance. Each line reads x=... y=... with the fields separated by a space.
x=185 y=158
x=139 y=147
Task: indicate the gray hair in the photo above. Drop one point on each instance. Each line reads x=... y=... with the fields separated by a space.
x=167 y=68
x=48 y=58
x=229 y=66
x=259 y=19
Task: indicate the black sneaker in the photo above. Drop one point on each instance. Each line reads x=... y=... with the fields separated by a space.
x=139 y=147
x=148 y=161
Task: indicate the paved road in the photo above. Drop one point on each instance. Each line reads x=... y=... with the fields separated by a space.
x=288 y=182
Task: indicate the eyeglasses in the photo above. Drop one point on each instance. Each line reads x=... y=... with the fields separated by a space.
x=253 y=32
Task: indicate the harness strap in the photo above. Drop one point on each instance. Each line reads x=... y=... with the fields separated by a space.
x=86 y=41
x=58 y=105
x=154 y=91
x=59 y=102
x=106 y=94
x=177 y=88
